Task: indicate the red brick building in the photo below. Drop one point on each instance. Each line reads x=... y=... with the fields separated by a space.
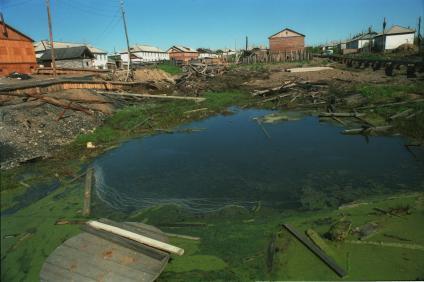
x=286 y=40
x=16 y=51
x=183 y=54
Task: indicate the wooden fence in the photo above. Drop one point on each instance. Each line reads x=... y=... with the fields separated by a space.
x=289 y=56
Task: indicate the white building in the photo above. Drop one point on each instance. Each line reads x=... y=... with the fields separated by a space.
x=361 y=41
x=206 y=53
x=394 y=37
x=100 y=56
x=144 y=54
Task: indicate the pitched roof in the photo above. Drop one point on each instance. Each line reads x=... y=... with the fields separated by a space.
x=143 y=48
x=183 y=49
x=77 y=52
x=365 y=36
x=205 y=50
x=288 y=30
x=17 y=31
x=397 y=29
x=44 y=45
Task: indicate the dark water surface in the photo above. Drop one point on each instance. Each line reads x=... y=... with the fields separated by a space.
x=304 y=164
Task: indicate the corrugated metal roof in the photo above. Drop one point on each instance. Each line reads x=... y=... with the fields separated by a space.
x=68 y=53
x=44 y=45
x=143 y=48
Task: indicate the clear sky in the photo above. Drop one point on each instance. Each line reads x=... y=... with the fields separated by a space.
x=205 y=23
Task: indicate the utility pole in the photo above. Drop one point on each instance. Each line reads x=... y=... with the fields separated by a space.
x=126 y=36
x=51 y=38
x=419 y=35
x=247 y=42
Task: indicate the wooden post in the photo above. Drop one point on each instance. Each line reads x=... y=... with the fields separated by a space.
x=87 y=192
x=51 y=38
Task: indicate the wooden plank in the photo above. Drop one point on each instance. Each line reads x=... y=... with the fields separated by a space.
x=95 y=267
x=99 y=247
x=317 y=251
x=137 y=237
x=87 y=192
x=129 y=244
x=139 y=229
x=54 y=273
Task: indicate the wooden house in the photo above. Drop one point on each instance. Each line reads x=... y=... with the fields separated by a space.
x=72 y=57
x=142 y=53
x=100 y=56
x=286 y=40
x=16 y=51
x=182 y=53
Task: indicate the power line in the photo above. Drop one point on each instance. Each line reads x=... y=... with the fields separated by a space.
x=88 y=11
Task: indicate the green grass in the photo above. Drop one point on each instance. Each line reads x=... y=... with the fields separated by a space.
x=169 y=68
x=394 y=92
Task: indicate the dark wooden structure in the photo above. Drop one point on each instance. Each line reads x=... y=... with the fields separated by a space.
x=16 y=51
x=317 y=251
x=96 y=255
x=286 y=40
x=389 y=65
x=70 y=57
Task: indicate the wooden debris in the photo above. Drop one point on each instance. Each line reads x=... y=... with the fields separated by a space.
x=401 y=114
x=195 y=111
x=390 y=104
x=367 y=130
x=66 y=222
x=136 y=237
x=87 y=192
x=264 y=130
x=127 y=94
x=308 y=69
x=183 y=236
x=317 y=251
x=286 y=85
x=341 y=115
x=384 y=244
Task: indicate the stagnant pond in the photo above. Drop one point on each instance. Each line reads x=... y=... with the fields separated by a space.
x=299 y=163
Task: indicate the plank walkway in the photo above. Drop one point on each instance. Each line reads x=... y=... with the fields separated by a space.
x=94 y=255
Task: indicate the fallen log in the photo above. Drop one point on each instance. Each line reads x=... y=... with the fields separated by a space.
x=58 y=103
x=308 y=69
x=367 y=129
x=286 y=85
x=275 y=98
x=390 y=104
x=136 y=237
x=401 y=114
x=341 y=114
x=195 y=111
x=196 y=99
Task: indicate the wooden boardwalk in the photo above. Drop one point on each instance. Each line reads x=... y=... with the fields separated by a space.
x=95 y=255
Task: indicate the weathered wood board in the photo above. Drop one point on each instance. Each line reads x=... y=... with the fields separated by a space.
x=90 y=257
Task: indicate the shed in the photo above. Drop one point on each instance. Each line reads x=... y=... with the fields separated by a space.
x=72 y=57
x=16 y=51
x=286 y=40
x=182 y=53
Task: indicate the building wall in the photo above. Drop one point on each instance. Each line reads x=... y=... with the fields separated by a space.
x=100 y=62
x=286 y=44
x=207 y=55
x=146 y=57
x=74 y=64
x=183 y=56
x=394 y=41
x=16 y=53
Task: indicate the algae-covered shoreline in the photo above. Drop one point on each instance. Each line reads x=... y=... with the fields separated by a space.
x=234 y=244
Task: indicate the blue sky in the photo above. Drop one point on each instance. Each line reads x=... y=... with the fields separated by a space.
x=205 y=23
